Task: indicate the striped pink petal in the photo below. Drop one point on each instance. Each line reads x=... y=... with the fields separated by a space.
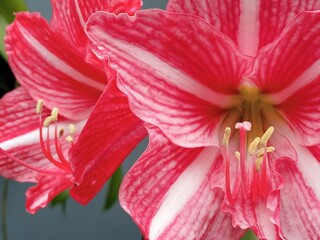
x=111 y=133
x=250 y=24
x=315 y=150
x=289 y=70
x=69 y=17
x=177 y=77
x=47 y=188
x=168 y=193
x=51 y=68
x=300 y=197
x=17 y=114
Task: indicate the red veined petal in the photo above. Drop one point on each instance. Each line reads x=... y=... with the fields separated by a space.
x=29 y=154
x=300 y=205
x=251 y=25
x=17 y=114
x=51 y=68
x=111 y=133
x=168 y=193
x=288 y=70
x=183 y=92
x=315 y=150
x=47 y=188
x=69 y=17
x=292 y=60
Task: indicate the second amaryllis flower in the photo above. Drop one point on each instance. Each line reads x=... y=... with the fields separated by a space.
x=234 y=96
x=54 y=62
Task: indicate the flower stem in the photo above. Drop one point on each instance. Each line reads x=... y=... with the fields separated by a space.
x=4 y=209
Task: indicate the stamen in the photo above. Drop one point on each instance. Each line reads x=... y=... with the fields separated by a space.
x=44 y=171
x=39 y=106
x=258 y=163
x=54 y=113
x=266 y=136
x=237 y=154
x=69 y=139
x=253 y=146
x=262 y=151
x=72 y=128
x=61 y=132
x=48 y=121
x=226 y=136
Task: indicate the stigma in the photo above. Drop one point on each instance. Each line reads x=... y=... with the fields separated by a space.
x=247 y=171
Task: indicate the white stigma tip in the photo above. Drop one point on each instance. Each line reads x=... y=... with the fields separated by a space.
x=245 y=125
x=39 y=106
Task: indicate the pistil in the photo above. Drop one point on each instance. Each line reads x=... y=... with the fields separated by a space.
x=254 y=168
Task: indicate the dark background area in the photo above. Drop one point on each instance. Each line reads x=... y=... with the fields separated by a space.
x=79 y=222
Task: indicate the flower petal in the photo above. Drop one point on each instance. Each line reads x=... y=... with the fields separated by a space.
x=182 y=92
x=168 y=193
x=288 y=71
x=300 y=205
x=48 y=187
x=17 y=114
x=315 y=150
x=250 y=24
x=69 y=17
x=50 y=68
x=111 y=133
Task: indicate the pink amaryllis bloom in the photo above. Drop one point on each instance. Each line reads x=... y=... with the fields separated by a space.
x=53 y=62
x=231 y=89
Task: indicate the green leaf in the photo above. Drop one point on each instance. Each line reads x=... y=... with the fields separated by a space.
x=113 y=190
x=60 y=200
x=3 y=24
x=8 y=7
x=249 y=235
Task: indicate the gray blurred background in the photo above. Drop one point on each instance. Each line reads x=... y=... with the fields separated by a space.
x=79 y=222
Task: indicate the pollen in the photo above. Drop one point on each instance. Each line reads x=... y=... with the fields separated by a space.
x=72 y=128
x=266 y=136
x=226 y=136
x=39 y=106
x=69 y=139
x=48 y=121
x=54 y=113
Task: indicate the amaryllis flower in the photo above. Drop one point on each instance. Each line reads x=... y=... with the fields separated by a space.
x=231 y=92
x=53 y=62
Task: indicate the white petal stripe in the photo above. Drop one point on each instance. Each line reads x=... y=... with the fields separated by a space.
x=165 y=70
x=58 y=63
x=249 y=27
x=178 y=196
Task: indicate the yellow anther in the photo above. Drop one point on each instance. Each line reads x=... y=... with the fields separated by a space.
x=54 y=113
x=258 y=163
x=261 y=151
x=69 y=139
x=48 y=121
x=226 y=136
x=253 y=146
x=237 y=154
x=72 y=128
x=266 y=136
x=39 y=106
